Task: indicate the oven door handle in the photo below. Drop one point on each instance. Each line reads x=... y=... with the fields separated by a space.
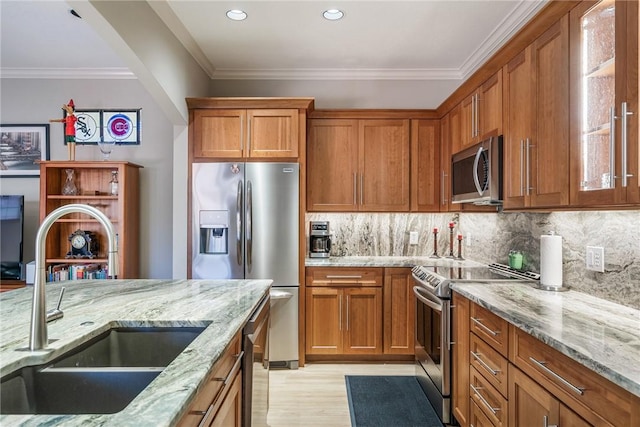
x=424 y=298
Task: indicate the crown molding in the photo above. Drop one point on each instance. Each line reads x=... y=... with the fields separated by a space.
x=67 y=73
x=505 y=30
x=337 y=74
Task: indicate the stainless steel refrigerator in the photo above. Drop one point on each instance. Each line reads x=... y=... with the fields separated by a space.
x=245 y=225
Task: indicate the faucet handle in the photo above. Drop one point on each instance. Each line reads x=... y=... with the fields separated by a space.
x=56 y=313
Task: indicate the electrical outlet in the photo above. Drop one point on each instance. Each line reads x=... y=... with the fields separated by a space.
x=595 y=258
x=413 y=237
x=468 y=240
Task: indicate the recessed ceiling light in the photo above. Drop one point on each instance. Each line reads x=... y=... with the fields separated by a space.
x=333 y=14
x=236 y=15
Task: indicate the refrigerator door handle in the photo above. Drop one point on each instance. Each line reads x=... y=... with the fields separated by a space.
x=249 y=226
x=239 y=223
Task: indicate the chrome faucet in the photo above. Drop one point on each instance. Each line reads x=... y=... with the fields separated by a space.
x=38 y=339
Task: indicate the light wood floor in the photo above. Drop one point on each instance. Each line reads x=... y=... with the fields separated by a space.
x=316 y=395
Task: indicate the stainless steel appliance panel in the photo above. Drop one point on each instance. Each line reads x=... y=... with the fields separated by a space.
x=271 y=231
x=255 y=369
x=283 y=335
x=216 y=187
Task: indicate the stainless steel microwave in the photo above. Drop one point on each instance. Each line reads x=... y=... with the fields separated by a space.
x=476 y=173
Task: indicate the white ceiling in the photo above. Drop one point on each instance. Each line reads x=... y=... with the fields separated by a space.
x=385 y=39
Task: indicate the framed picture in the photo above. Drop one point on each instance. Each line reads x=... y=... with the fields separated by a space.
x=122 y=125
x=88 y=126
x=21 y=146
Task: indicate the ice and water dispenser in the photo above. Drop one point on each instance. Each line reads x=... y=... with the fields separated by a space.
x=214 y=232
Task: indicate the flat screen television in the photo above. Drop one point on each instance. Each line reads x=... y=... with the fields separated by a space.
x=11 y=232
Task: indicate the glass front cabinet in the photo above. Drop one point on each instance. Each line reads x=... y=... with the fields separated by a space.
x=604 y=103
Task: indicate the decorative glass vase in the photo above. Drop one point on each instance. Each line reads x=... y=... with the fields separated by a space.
x=69 y=188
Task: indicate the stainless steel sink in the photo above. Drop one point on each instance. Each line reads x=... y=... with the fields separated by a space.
x=73 y=391
x=131 y=347
x=101 y=376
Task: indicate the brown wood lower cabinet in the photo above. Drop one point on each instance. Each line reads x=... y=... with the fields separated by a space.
x=542 y=387
x=399 y=312
x=368 y=312
x=219 y=401
x=344 y=315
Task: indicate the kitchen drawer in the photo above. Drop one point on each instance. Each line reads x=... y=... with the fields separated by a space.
x=478 y=418
x=489 y=363
x=581 y=389
x=489 y=400
x=209 y=398
x=330 y=276
x=491 y=328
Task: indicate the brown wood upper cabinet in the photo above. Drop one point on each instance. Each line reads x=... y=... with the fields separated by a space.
x=481 y=112
x=536 y=136
x=247 y=128
x=358 y=165
x=234 y=134
x=426 y=187
x=604 y=103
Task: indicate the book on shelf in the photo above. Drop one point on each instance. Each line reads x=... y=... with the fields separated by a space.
x=60 y=272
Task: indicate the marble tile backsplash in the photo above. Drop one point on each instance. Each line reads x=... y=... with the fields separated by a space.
x=489 y=238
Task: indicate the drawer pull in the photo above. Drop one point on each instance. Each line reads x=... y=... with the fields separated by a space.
x=330 y=276
x=484 y=364
x=234 y=369
x=205 y=416
x=483 y=326
x=578 y=390
x=484 y=401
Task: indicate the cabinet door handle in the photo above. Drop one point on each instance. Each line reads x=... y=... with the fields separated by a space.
x=361 y=188
x=355 y=188
x=483 y=326
x=473 y=115
x=522 y=167
x=625 y=113
x=612 y=147
x=545 y=422
x=477 y=107
x=347 y=312
x=241 y=135
x=204 y=421
x=484 y=364
x=542 y=365
x=444 y=195
x=484 y=401
x=529 y=145
x=340 y=312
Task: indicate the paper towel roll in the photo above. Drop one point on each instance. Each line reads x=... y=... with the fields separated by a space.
x=551 y=260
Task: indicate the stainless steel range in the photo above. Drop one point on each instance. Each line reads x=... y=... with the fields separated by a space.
x=433 y=324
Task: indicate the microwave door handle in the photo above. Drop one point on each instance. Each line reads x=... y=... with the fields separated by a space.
x=476 y=179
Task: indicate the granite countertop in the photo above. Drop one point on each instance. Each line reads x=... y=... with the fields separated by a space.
x=601 y=335
x=94 y=306
x=386 y=261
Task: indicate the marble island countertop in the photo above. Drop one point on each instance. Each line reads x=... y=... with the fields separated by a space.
x=387 y=261
x=91 y=307
x=601 y=335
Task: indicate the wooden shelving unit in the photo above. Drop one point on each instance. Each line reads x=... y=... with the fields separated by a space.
x=92 y=181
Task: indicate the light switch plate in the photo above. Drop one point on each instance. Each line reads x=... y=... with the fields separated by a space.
x=595 y=258
x=413 y=237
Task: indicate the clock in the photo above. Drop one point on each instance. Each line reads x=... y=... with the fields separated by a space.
x=83 y=244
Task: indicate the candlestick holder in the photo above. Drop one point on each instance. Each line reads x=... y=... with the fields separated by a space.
x=459 y=247
x=451 y=242
x=435 y=244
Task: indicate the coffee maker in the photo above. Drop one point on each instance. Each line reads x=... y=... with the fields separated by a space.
x=319 y=239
